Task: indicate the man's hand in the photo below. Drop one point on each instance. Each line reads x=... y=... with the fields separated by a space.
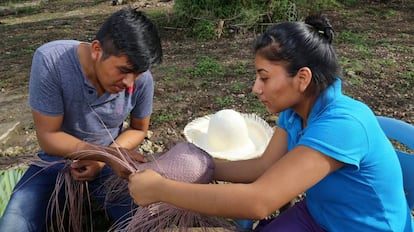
x=86 y=170
x=138 y=156
x=130 y=161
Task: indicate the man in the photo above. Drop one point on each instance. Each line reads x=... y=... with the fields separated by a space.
x=80 y=94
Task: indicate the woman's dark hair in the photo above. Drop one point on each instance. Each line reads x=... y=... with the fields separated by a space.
x=129 y=32
x=303 y=44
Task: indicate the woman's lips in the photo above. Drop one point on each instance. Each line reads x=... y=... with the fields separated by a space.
x=264 y=102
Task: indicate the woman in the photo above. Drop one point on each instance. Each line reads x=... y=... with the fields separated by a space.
x=326 y=144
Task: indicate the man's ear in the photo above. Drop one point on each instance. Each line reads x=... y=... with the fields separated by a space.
x=304 y=76
x=96 y=50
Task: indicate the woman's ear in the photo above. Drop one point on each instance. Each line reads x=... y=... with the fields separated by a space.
x=304 y=76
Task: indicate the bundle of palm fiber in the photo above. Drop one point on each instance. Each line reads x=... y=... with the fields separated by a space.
x=66 y=207
x=183 y=162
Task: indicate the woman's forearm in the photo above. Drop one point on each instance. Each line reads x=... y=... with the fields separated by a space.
x=214 y=199
x=245 y=171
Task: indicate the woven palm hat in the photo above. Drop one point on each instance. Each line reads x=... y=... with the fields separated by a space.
x=230 y=135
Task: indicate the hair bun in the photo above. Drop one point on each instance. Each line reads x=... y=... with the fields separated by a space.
x=321 y=25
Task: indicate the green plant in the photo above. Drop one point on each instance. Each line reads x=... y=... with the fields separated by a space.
x=207 y=68
x=224 y=102
x=204 y=30
x=165 y=115
x=387 y=62
x=8 y=179
x=236 y=87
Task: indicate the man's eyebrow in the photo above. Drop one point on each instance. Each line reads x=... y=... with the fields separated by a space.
x=126 y=69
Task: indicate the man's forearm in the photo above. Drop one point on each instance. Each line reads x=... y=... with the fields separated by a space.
x=69 y=147
x=129 y=139
x=62 y=144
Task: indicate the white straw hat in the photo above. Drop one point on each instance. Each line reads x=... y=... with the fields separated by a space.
x=230 y=135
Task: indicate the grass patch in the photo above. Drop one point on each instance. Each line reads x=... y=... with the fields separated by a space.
x=18 y=7
x=364 y=51
x=204 y=31
x=254 y=105
x=351 y=70
x=237 y=87
x=171 y=77
x=241 y=68
x=207 y=68
x=406 y=79
x=350 y=37
x=223 y=102
x=165 y=115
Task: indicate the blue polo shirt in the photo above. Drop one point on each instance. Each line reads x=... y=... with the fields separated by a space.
x=59 y=88
x=367 y=193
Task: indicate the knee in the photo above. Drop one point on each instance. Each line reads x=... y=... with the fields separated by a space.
x=15 y=222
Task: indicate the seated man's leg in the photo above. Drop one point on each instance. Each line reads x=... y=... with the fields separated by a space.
x=120 y=205
x=27 y=207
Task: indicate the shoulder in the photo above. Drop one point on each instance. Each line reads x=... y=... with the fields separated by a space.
x=342 y=132
x=146 y=76
x=56 y=49
x=145 y=79
x=346 y=111
x=58 y=45
x=345 y=114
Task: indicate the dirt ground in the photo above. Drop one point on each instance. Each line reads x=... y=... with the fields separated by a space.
x=386 y=87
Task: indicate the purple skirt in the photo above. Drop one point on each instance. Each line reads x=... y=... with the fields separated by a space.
x=295 y=219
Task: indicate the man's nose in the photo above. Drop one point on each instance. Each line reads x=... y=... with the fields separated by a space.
x=129 y=79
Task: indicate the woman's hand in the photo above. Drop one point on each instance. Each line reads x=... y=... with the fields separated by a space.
x=86 y=170
x=145 y=187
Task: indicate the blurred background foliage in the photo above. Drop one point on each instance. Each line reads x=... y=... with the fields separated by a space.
x=204 y=19
x=208 y=19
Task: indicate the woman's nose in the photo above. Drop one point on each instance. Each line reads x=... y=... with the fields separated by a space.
x=257 y=88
